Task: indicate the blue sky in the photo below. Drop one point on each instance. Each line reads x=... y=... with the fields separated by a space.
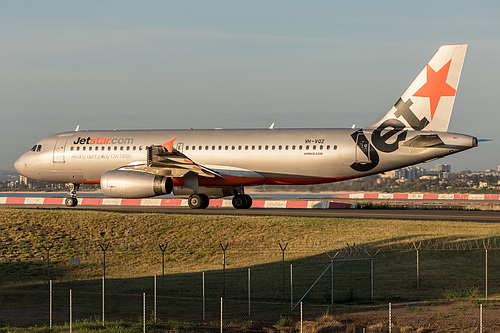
x=236 y=64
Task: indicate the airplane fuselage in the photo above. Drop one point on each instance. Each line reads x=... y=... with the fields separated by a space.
x=278 y=156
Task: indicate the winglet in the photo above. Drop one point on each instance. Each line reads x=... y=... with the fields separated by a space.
x=168 y=145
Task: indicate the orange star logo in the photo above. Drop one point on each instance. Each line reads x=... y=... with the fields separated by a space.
x=436 y=86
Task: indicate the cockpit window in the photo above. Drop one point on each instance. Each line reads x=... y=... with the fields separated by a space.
x=36 y=148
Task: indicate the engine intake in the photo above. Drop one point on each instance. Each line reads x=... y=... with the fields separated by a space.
x=134 y=184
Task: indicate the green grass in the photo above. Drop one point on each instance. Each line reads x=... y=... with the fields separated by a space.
x=133 y=257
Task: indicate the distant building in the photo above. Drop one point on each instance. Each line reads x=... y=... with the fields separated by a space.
x=411 y=172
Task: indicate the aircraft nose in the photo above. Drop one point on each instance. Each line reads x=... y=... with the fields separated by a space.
x=18 y=165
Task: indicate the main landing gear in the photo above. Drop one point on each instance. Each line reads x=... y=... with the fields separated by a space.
x=72 y=201
x=240 y=199
x=201 y=200
x=198 y=201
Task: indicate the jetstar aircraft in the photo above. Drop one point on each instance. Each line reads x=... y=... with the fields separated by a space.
x=203 y=164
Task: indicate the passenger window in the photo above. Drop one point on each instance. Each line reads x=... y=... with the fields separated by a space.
x=300 y=147
x=232 y=147
x=128 y=147
x=213 y=147
x=246 y=147
x=226 y=147
x=293 y=147
x=206 y=147
x=77 y=148
x=314 y=147
x=71 y=148
x=194 y=148
x=260 y=147
x=90 y=148
x=121 y=147
x=279 y=147
x=84 y=148
x=267 y=147
x=140 y=147
x=220 y=147
x=307 y=147
x=133 y=148
x=335 y=147
x=253 y=147
x=116 y=148
x=187 y=147
x=200 y=147
x=286 y=147
x=321 y=147
x=239 y=147
x=109 y=147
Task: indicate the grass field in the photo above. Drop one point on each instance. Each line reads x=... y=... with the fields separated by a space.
x=452 y=263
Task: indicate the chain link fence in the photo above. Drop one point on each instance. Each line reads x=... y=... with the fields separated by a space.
x=438 y=285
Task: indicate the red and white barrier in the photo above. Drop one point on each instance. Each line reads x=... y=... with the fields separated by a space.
x=173 y=202
x=419 y=196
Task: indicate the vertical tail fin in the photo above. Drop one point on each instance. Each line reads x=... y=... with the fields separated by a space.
x=428 y=101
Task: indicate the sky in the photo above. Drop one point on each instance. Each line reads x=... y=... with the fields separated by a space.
x=237 y=64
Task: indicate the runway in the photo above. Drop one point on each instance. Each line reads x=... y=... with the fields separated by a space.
x=398 y=214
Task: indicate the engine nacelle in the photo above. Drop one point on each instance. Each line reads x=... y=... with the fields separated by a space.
x=134 y=184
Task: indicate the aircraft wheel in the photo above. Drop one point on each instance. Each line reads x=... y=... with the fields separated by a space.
x=71 y=202
x=198 y=201
x=249 y=201
x=240 y=201
x=206 y=201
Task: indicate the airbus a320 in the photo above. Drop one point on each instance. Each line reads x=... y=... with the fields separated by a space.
x=205 y=164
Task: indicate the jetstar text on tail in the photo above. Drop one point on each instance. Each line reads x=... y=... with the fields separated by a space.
x=103 y=141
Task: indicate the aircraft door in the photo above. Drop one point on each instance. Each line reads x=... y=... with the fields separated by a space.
x=180 y=147
x=362 y=149
x=59 y=149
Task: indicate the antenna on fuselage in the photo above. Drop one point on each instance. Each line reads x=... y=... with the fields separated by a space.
x=272 y=126
x=77 y=128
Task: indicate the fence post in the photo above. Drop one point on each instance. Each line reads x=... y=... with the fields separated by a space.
x=486 y=246
x=283 y=250
x=203 y=283
x=70 y=312
x=390 y=318
x=163 y=248
x=155 y=298
x=301 y=319
x=481 y=319
x=144 y=312
x=417 y=248
x=221 y=301
x=248 y=291
x=103 y=293
x=50 y=304
x=291 y=286
x=224 y=248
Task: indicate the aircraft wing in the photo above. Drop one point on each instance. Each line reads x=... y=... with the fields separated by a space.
x=165 y=156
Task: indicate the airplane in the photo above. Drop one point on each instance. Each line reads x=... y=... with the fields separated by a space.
x=214 y=163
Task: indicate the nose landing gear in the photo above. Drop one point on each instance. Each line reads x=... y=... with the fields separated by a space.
x=72 y=201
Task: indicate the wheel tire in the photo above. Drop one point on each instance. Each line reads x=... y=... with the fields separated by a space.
x=71 y=202
x=196 y=201
x=249 y=201
x=206 y=201
x=240 y=201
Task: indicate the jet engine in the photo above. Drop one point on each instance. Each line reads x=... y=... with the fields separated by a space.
x=134 y=184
